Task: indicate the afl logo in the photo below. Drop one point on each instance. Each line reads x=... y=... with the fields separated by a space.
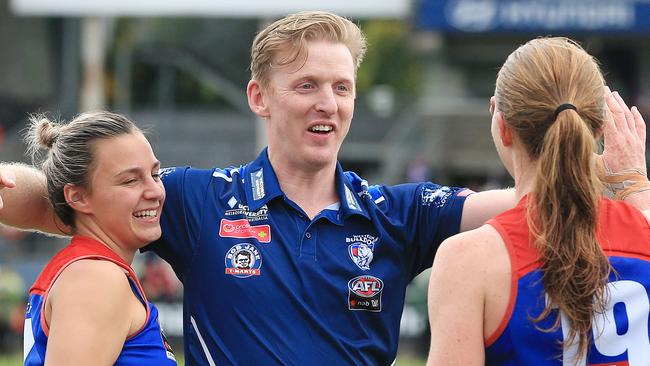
x=366 y=286
x=243 y=260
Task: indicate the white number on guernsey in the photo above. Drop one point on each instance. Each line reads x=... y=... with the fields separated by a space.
x=606 y=339
x=28 y=338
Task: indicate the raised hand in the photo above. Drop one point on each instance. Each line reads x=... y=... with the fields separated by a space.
x=624 y=131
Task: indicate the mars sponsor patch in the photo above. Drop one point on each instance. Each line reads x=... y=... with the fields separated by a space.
x=243 y=229
x=364 y=293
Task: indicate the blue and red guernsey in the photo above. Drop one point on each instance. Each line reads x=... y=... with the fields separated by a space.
x=266 y=285
x=620 y=335
x=148 y=346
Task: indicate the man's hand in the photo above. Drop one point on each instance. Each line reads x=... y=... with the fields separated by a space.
x=624 y=132
x=7 y=180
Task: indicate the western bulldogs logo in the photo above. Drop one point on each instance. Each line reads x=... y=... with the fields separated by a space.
x=243 y=260
x=361 y=248
x=361 y=254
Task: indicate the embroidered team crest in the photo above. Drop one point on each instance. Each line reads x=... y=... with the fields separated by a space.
x=436 y=197
x=243 y=260
x=361 y=248
x=361 y=254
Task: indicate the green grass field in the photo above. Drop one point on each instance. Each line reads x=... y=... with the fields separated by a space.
x=11 y=360
x=410 y=361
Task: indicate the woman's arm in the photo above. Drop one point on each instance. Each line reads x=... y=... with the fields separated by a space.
x=468 y=296
x=456 y=306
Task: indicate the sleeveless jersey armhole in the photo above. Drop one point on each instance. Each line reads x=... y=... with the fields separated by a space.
x=128 y=271
x=512 y=297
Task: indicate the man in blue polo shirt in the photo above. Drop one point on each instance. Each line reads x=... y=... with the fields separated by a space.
x=290 y=260
x=330 y=256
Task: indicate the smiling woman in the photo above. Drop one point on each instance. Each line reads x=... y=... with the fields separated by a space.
x=87 y=306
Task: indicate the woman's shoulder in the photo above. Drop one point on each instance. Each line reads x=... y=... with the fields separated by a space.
x=92 y=279
x=473 y=244
x=479 y=254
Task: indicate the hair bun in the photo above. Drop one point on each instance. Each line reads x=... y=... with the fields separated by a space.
x=46 y=132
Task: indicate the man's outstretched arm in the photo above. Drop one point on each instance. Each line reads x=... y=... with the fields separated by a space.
x=23 y=200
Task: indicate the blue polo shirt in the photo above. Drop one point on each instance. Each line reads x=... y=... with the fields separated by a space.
x=265 y=285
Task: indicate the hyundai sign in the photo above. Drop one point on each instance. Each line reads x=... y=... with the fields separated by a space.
x=534 y=15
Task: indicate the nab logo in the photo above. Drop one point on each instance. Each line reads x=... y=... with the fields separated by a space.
x=366 y=286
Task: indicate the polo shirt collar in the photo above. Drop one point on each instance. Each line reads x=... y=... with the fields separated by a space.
x=260 y=182
x=351 y=203
x=261 y=185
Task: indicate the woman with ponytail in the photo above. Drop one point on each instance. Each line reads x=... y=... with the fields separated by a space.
x=562 y=278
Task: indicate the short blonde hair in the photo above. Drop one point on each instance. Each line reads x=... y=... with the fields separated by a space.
x=293 y=32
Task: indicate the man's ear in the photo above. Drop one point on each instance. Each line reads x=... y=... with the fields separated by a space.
x=255 y=92
x=505 y=132
x=77 y=198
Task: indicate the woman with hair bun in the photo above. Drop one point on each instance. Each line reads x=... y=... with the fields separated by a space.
x=562 y=278
x=87 y=306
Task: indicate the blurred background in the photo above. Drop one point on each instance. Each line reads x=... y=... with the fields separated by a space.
x=180 y=68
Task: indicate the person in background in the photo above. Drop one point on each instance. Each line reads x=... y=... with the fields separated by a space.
x=87 y=306
x=562 y=278
x=310 y=295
